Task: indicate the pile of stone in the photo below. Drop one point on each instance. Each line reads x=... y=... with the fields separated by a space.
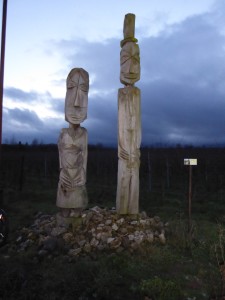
x=97 y=230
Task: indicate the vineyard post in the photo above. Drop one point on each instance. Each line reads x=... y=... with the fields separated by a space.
x=190 y=162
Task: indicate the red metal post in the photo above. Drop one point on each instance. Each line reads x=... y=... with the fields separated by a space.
x=2 y=63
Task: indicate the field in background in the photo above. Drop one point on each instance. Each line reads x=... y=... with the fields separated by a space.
x=29 y=178
x=163 y=177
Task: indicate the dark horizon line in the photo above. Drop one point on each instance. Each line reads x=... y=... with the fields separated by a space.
x=113 y=146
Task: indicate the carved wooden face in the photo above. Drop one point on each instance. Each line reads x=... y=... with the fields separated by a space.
x=129 y=63
x=77 y=96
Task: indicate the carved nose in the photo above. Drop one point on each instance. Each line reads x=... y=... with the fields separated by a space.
x=132 y=66
x=78 y=100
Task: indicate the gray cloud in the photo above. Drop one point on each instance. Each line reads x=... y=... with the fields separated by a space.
x=24 y=125
x=57 y=104
x=32 y=97
x=101 y=60
x=102 y=120
x=183 y=84
x=191 y=51
x=175 y=113
x=20 y=125
x=23 y=118
x=19 y=95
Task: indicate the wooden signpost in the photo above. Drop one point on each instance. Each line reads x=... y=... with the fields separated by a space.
x=190 y=162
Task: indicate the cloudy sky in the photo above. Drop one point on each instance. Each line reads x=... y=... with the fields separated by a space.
x=182 y=50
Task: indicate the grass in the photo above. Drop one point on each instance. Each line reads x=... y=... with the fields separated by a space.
x=185 y=268
x=109 y=277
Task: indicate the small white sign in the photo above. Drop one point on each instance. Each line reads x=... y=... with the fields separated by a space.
x=190 y=161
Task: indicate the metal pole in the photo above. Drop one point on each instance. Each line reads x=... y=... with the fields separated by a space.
x=189 y=198
x=2 y=63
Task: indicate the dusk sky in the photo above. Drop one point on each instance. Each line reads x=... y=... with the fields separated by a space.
x=182 y=51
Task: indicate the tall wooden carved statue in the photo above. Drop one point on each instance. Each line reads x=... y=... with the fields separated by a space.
x=72 y=145
x=129 y=122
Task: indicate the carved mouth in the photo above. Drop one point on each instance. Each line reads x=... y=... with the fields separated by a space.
x=130 y=76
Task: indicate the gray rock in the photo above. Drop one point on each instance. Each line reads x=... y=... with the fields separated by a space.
x=139 y=239
x=42 y=253
x=110 y=240
x=87 y=248
x=120 y=221
x=162 y=238
x=68 y=237
x=82 y=243
x=123 y=230
x=115 y=243
x=134 y=222
x=143 y=222
x=108 y=222
x=150 y=237
x=74 y=252
x=19 y=239
x=115 y=227
x=131 y=237
x=98 y=230
x=143 y=215
x=94 y=242
x=58 y=231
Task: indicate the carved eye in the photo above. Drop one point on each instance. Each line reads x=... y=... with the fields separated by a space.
x=71 y=84
x=83 y=87
x=135 y=61
x=125 y=58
